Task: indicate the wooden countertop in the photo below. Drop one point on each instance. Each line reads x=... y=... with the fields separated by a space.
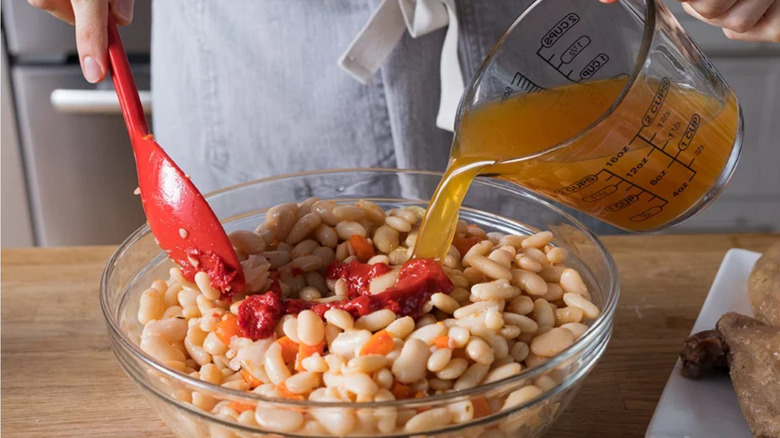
x=60 y=378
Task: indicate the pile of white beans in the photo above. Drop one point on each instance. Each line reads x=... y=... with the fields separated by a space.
x=514 y=306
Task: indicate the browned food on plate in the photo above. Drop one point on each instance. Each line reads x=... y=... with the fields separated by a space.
x=704 y=352
x=754 y=361
x=764 y=286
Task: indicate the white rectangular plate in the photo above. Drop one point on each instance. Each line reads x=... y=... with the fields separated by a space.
x=708 y=407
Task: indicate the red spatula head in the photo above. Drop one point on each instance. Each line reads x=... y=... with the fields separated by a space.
x=180 y=218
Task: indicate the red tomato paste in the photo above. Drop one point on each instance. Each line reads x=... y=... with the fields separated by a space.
x=417 y=281
x=221 y=276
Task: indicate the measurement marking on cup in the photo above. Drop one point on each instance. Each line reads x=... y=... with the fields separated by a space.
x=623 y=203
x=614 y=175
x=577 y=186
x=690 y=132
x=647 y=214
x=560 y=28
x=601 y=194
x=658 y=101
x=551 y=53
x=594 y=65
x=575 y=49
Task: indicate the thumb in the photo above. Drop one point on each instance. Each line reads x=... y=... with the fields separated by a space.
x=92 y=37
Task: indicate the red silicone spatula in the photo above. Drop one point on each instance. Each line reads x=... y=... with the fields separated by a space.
x=180 y=218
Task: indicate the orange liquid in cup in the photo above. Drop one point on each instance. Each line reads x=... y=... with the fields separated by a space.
x=661 y=150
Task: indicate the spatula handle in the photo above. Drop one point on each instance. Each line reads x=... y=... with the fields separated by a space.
x=124 y=83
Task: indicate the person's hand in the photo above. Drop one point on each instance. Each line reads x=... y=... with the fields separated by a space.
x=748 y=20
x=91 y=20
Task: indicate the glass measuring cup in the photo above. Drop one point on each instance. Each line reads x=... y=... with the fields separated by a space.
x=610 y=109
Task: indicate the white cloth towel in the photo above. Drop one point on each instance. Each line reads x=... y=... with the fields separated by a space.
x=384 y=29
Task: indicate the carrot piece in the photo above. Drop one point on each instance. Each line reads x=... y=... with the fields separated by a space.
x=227 y=328
x=363 y=249
x=253 y=381
x=305 y=351
x=381 y=342
x=289 y=349
x=463 y=244
x=240 y=407
x=400 y=391
x=285 y=393
x=442 y=341
x=481 y=407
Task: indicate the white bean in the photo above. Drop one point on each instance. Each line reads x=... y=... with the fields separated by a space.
x=325 y=210
x=290 y=327
x=367 y=364
x=479 y=351
x=340 y=318
x=428 y=420
x=553 y=342
x=172 y=329
x=274 y=364
x=315 y=364
x=411 y=364
x=567 y=315
x=522 y=305
x=349 y=343
x=571 y=282
x=482 y=248
x=454 y=369
x=521 y=396
x=538 y=240
x=303 y=227
x=557 y=255
x=399 y=224
x=247 y=241
x=503 y=372
x=151 y=306
x=543 y=313
x=302 y=382
x=213 y=345
x=382 y=282
x=375 y=321
x=360 y=384
x=519 y=351
x=529 y=282
x=493 y=319
x=348 y=213
x=304 y=247
x=401 y=327
x=471 y=377
x=576 y=328
x=428 y=332
x=311 y=329
x=490 y=268
x=444 y=302
x=459 y=337
x=326 y=236
x=347 y=229
x=278 y=420
x=439 y=359
x=589 y=309
x=503 y=258
x=528 y=263
x=495 y=290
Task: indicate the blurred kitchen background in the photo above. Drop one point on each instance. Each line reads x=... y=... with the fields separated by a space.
x=68 y=172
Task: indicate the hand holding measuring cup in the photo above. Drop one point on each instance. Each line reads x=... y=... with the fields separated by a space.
x=628 y=122
x=745 y=20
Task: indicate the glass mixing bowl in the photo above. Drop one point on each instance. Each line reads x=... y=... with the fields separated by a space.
x=505 y=409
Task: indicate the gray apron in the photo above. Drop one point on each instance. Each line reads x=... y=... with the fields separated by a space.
x=245 y=89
